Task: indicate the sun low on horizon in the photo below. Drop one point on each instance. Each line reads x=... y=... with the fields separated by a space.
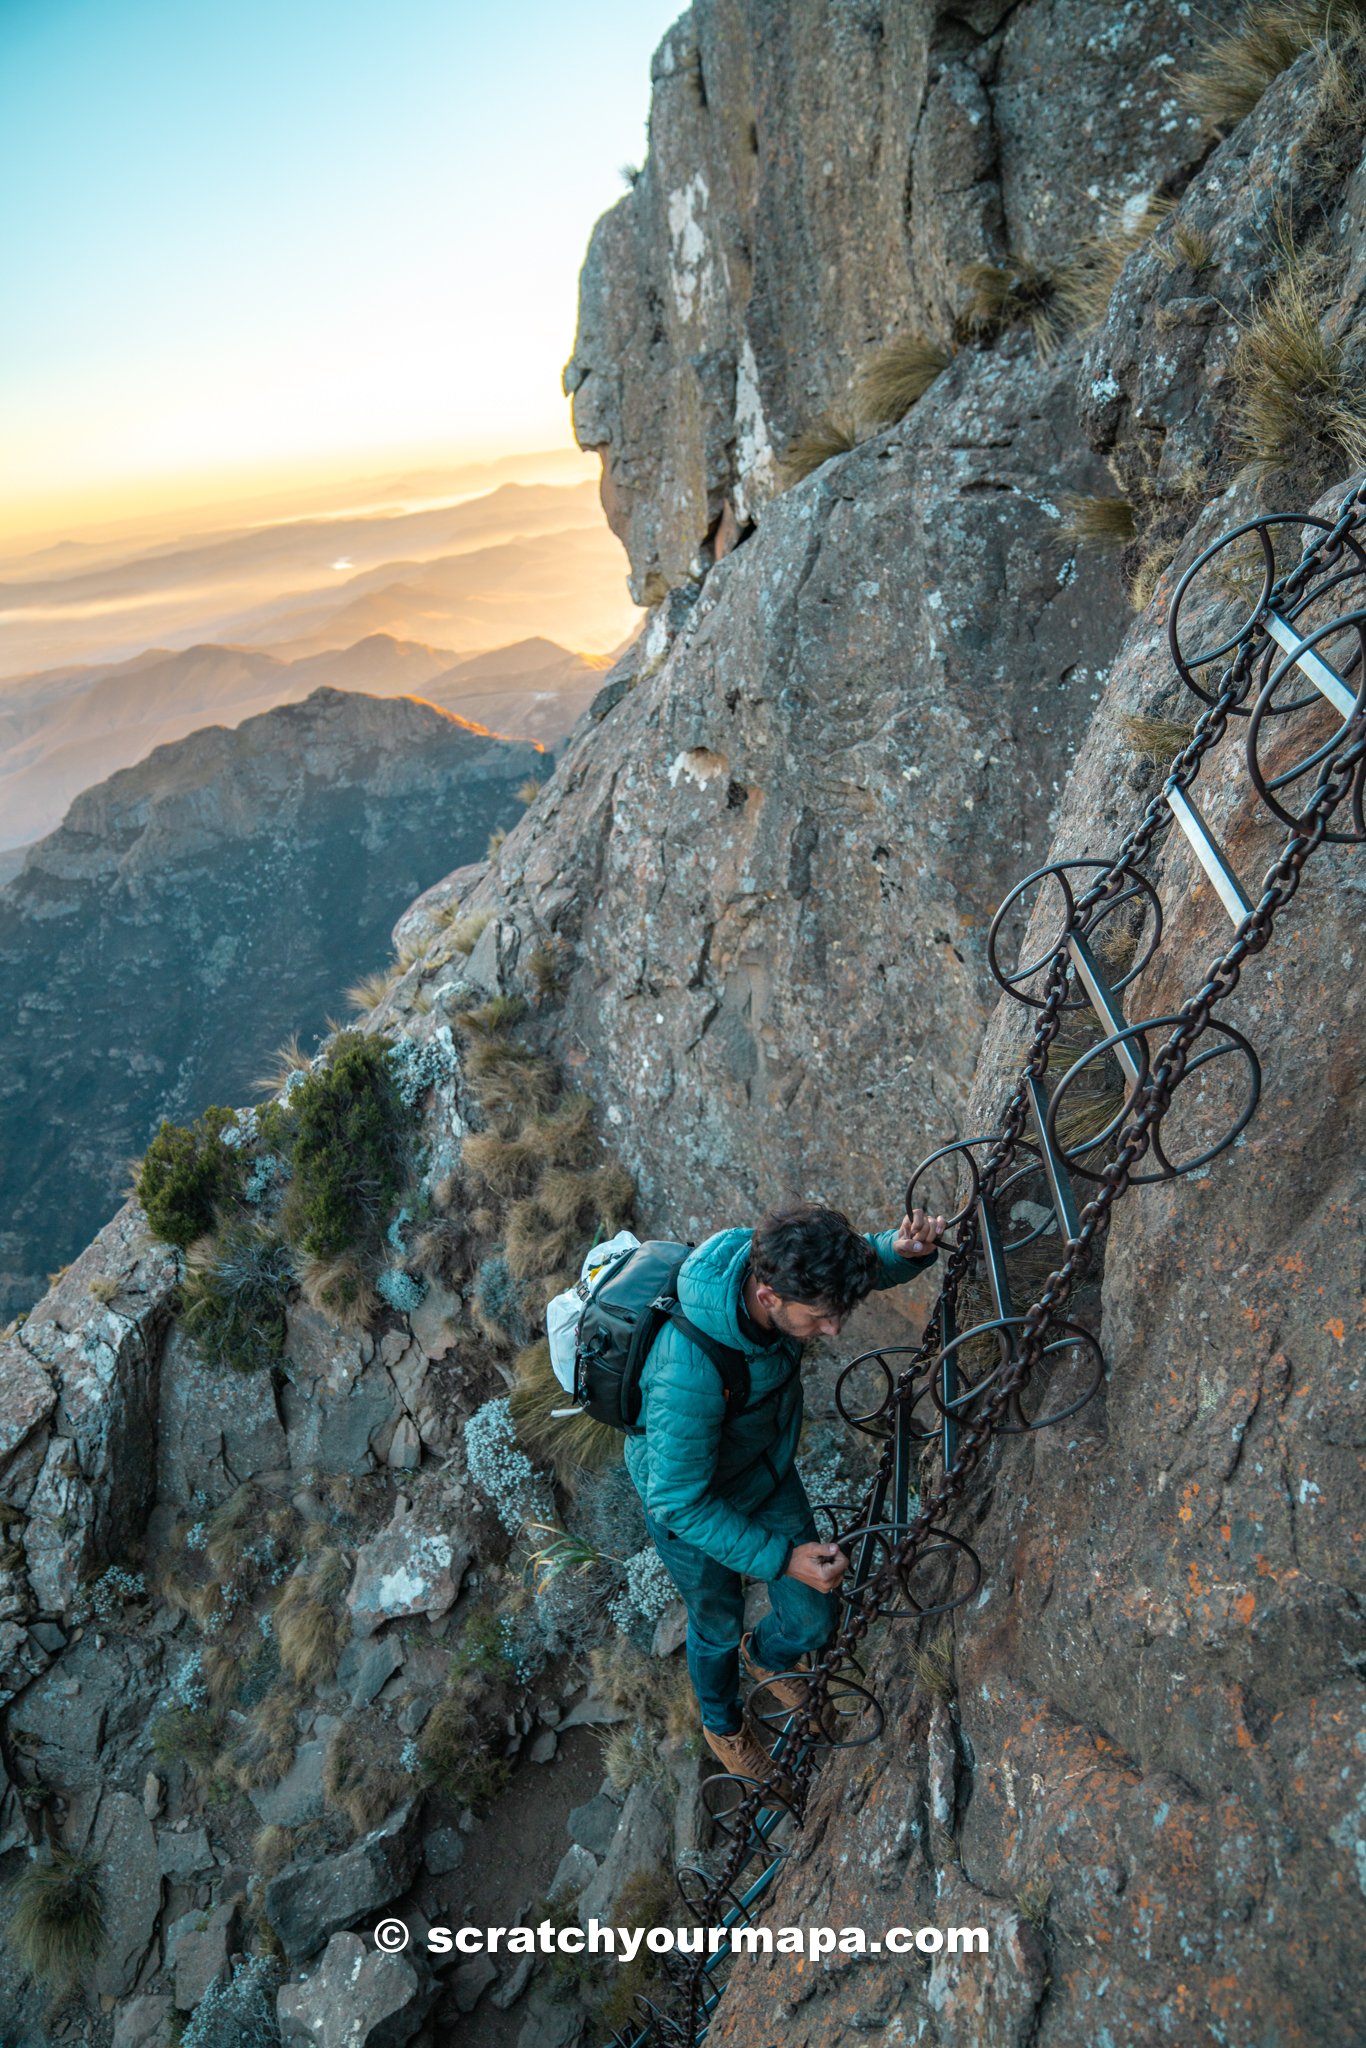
x=259 y=252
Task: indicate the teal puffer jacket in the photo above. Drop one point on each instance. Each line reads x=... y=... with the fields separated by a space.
x=705 y=1482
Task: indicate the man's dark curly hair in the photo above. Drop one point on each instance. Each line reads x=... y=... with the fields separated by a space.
x=813 y=1256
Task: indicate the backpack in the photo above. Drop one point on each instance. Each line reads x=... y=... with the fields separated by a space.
x=613 y=1316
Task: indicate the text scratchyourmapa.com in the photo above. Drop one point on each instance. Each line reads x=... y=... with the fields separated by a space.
x=625 y=1943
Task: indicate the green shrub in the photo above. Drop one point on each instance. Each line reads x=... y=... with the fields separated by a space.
x=187 y=1174
x=57 y=1927
x=236 y=1294
x=350 y=1124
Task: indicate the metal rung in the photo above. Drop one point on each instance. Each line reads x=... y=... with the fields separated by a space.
x=1326 y=680
x=1210 y=856
x=995 y=1259
x=948 y=1381
x=901 y=1467
x=1102 y=1001
x=1059 y=1185
x=863 y=1555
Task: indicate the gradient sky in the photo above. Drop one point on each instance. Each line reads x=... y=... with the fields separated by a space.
x=250 y=240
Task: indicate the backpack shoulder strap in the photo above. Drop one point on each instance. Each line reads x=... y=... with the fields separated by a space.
x=731 y=1364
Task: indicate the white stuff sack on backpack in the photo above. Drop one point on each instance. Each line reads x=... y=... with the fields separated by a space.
x=563 y=1313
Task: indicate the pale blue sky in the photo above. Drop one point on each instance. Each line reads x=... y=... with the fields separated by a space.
x=271 y=235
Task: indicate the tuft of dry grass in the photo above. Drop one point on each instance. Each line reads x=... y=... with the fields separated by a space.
x=534 y=1244
x=505 y=1166
x=341 y=1290
x=1241 y=62
x=655 y=1691
x=455 y=1749
x=290 y=1058
x=462 y=932
x=509 y=1076
x=1293 y=388
x=57 y=1928
x=1340 y=98
x=307 y=1631
x=272 y=1848
x=105 y=1288
x=548 y=966
x=365 y=1791
x=1086 y=285
x=264 y=1750
x=1151 y=569
x=574 y=1444
x=231 y=1527
x=1032 y=1901
x=1099 y=522
x=1015 y=293
x=898 y=377
x=529 y=790
x=932 y=1664
x=496 y=841
x=834 y=433
x=1192 y=245
x=369 y=992
x=1156 y=739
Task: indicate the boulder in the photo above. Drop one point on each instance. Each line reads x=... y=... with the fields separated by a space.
x=471 y=1980
x=549 y=2024
x=514 y=1984
x=204 y=1951
x=575 y=1869
x=184 y=1852
x=298 y=1796
x=88 y=1486
x=642 y=1842
x=356 y=1997
x=443 y=1850
x=366 y=1667
x=215 y=1428
x=594 y=1825
x=407 y=1569
x=123 y=1843
x=143 y=2022
x=310 y=1901
x=339 y=1398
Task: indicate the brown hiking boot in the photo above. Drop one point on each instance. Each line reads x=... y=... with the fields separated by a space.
x=744 y=1757
x=788 y=1692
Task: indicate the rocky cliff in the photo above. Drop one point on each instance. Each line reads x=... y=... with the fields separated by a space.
x=746 y=916
x=192 y=912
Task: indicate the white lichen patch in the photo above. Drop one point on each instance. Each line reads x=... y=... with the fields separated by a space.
x=689 y=257
x=700 y=765
x=755 y=462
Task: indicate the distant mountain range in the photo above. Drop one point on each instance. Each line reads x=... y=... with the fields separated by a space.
x=518 y=561
x=194 y=910
x=64 y=729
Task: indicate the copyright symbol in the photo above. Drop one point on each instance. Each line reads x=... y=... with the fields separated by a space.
x=391 y=1936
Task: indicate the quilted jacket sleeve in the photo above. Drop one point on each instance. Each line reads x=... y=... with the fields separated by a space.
x=895 y=1271
x=682 y=1412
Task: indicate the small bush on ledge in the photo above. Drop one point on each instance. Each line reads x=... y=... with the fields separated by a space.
x=347 y=1156
x=187 y=1173
x=236 y=1292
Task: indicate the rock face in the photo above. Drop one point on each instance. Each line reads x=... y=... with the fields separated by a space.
x=778 y=854
x=193 y=911
x=749 y=910
x=1153 y=1759
x=818 y=177
x=309 y=1902
x=355 y=1999
x=80 y=1391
